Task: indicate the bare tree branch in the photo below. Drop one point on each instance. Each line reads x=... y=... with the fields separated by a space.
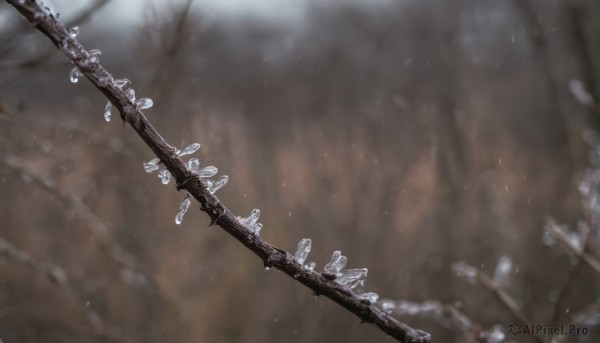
x=191 y=182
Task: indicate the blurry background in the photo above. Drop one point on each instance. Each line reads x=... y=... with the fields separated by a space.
x=407 y=134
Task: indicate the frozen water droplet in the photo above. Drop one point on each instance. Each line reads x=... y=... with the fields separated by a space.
x=267 y=268
x=94 y=56
x=164 y=176
x=193 y=165
x=310 y=266
x=370 y=297
x=144 y=103
x=338 y=261
x=303 y=249
x=183 y=207
x=207 y=172
x=190 y=149
x=74 y=32
x=122 y=83
x=218 y=183
x=131 y=95
x=151 y=166
x=75 y=75
x=351 y=278
x=107 y=111
x=387 y=306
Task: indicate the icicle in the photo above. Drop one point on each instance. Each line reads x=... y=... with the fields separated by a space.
x=207 y=172
x=164 y=176
x=370 y=297
x=338 y=261
x=107 y=111
x=190 y=149
x=122 y=83
x=183 y=207
x=144 y=103
x=131 y=95
x=73 y=32
x=75 y=75
x=218 y=183
x=351 y=278
x=193 y=165
x=303 y=249
x=151 y=166
x=310 y=266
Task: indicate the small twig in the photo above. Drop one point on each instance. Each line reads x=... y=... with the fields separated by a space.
x=570 y=248
x=271 y=256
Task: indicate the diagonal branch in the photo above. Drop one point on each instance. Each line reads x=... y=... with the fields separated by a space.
x=191 y=182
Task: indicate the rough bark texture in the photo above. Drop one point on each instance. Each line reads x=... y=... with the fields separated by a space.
x=186 y=180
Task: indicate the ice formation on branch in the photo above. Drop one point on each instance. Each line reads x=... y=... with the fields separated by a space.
x=250 y=222
x=465 y=271
x=352 y=278
x=74 y=32
x=183 y=207
x=303 y=250
x=74 y=75
x=151 y=165
x=215 y=185
x=503 y=269
x=338 y=261
x=164 y=176
x=107 y=111
x=190 y=149
x=144 y=103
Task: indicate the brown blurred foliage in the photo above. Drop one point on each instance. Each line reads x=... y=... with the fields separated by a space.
x=407 y=134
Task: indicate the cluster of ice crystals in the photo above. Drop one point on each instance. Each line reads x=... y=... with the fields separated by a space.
x=122 y=83
x=215 y=185
x=131 y=95
x=193 y=165
x=73 y=32
x=93 y=56
x=151 y=165
x=164 y=176
x=107 y=111
x=503 y=270
x=190 y=149
x=303 y=250
x=75 y=74
x=183 y=207
x=144 y=103
x=371 y=297
x=338 y=261
x=250 y=222
x=208 y=171
x=352 y=278
x=465 y=271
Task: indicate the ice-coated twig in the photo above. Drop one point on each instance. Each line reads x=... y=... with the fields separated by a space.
x=197 y=187
x=572 y=247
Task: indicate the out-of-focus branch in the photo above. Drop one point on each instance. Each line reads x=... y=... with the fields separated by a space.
x=58 y=276
x=193 y=184
x=568 y=245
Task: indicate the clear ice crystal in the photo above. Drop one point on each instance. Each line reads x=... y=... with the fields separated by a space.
x=310 y=266
x=207 y=172
x=218 y=183
x=193 y=165
x=75 y=75
x=303 y=249
x=190 y=149
x=465 y=271
x=388 y=306
x=351 y=278
x=94 y=56
x=503 y=269
x=131 y=95
x=122 y=83
x=107 y=111
x=250 y=222
x=164 y=176
x=74 y=32
x=151 y=165
x=370 y=297
x=338 y=261
x=183 y=207
x=144 y=103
